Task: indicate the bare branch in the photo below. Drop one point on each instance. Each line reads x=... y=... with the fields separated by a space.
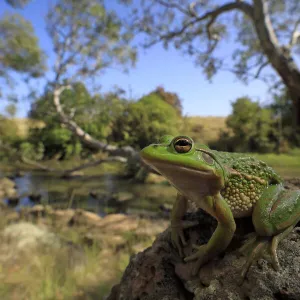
x=89 y=164
x=295 y=35
x=211 y=16
x=170 y=4
x=69 y=172
x=260 y=69
x=37 y=165
x=85 y=138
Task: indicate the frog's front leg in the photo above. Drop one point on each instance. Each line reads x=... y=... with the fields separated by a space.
x=177 y=225
x=221 y=237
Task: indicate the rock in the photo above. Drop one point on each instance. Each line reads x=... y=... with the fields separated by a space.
x=73 y=174
x=13 y=201
x=12 y=217
x=158 y=273
x=7 y=188
x=37 y=210
x=16 y=174
x=62 y=216
x=3 y=206
x=123 y=196
x=155 y=178
x=118 y=222
x=6 y=183
x=35 y=198
x=82 y=217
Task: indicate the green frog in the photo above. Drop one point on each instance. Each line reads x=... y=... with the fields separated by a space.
x=226 y=186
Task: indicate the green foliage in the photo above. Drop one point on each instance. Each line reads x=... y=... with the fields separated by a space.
x=8 y=131
x=17 y=3
x=87 y=38
x=94 y=114
x=253 y=127
x=11 y=109
x=170 y=98
x=282 y=106
x=145 y=121
x=31 y=151
x=201 y=28
x=19 y=49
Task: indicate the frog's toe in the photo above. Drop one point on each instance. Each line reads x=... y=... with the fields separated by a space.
x=248 y=245
x=196 y=247
x=189 y=224
x=256 y=253
x=201 y=257
x=275 y=262
x=262 y=247
x=200 y=254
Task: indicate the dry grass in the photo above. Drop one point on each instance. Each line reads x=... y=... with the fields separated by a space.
x=75 y=268
x=23 y=125
x=205 y=129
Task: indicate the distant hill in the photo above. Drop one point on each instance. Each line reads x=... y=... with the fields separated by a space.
x=205 y=129
x=201 y=129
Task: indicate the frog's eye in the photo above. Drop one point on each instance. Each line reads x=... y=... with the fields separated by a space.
x=183 y=144
x=207 y=158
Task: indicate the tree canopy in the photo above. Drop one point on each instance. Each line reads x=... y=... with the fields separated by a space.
x=145 y=121
x=17 y=3
x=19 y=48
x=264 y=37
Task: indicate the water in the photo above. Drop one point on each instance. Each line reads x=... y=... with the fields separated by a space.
x=100 y=194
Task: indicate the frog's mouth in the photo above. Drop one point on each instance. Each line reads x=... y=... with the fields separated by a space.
x=191 y=182
x=176 y=169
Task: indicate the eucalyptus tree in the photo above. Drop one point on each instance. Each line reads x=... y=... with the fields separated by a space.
x=87 y=39
x=263 y=36
x=19 y=50
x=17 y=3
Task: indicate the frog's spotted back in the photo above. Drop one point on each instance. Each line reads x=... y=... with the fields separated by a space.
x=246 y=181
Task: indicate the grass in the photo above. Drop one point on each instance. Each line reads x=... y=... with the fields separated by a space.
x=205 y=129
x=50 y=276
x=78 y=270
x=22 y=125
x=287 y=165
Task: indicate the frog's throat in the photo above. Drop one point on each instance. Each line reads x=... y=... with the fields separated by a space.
x=216 y=160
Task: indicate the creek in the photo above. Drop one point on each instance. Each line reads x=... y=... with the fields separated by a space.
x=102 y=194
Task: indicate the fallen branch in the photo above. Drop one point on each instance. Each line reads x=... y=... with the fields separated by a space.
x=38 y=165
x=69 y=172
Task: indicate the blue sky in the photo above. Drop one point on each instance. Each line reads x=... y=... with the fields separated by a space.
x=156 y=66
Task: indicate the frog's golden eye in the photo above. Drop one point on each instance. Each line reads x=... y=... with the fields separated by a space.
x=183 y=144
x=207 y=158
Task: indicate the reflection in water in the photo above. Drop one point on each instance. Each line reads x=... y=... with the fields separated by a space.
x=96 y=193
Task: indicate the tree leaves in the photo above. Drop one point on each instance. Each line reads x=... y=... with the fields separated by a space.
x=19 y=49
x=87 y=39
x=201 y=28
x=17 y=3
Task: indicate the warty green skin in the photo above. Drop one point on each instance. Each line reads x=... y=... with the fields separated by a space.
x=227 y=186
